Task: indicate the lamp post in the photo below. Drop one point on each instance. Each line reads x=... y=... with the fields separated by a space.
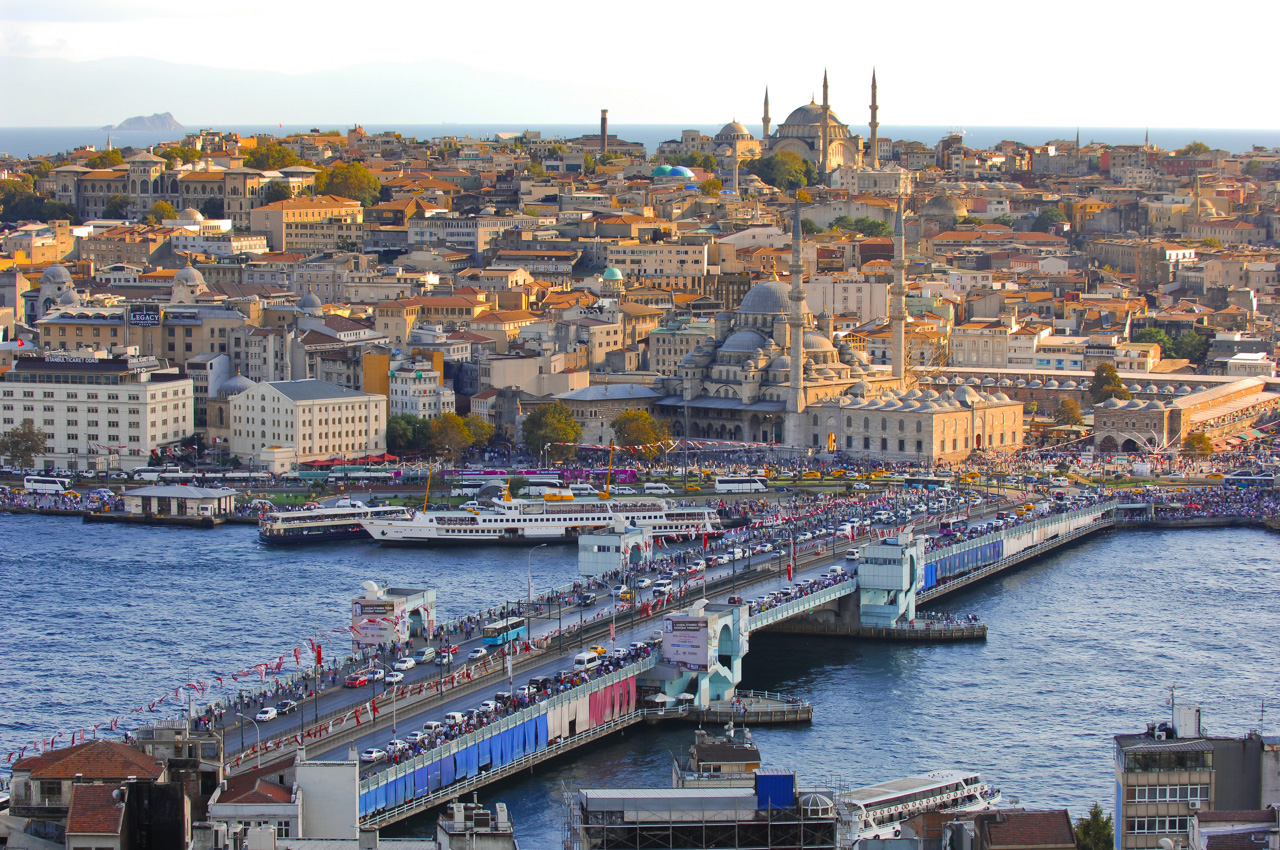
x=257 y=730
x=528 y=565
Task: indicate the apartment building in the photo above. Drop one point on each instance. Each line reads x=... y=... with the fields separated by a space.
x=659 y=263
x=473 y=234
x=323 y=223
x=397 y=319
x=670 y=342
x=282 y=423
x=98 y=411
x=418 y=391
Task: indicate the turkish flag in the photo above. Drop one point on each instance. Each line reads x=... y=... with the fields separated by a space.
x=788 y=571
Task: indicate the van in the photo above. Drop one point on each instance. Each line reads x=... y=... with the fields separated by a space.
x=581 y=490
x=153 y=473
x=658 y=490
x=585 y=662
x=1059 y=481
x=425 y=655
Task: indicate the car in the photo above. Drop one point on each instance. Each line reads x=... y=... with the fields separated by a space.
x=416 y=737
x=661 y=588
x=477 y=653
x=396 y=745
x=431 y=727
x=377 y=674
x=734 y=600
x=627 y=596
x=395 y=677
x=490 y=706
x=586 y=600
x=597 y=649
x=285 y=706
x=638 y=645
x=694 y=488
x=373 y=754
x=618 y=590
x=526 y=691
x=620 y=654
x=406 y=663
x=356 y=680
x=454 y=718
x=623 y=490
x=644 y=583
x=266 y=714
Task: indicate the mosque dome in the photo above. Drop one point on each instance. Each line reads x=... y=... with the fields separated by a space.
x=1184 y=390
x=69 y=298
x=944 y=206
x=1070 y=385
x=745 y=341
x=767 y=298
x=612 y=273
x=661 y=171
x=1151 y=388
x=814 y=341
x=191 y=214
x=190 y=276
x=237 y=385
x=1051 y=384
x=310 y=301
x=1111 y=403
x=810 y=113
x=733 y=131
x=681 y=171
x=781 y=363
x=56 y=274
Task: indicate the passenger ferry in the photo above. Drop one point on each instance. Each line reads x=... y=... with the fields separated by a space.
x=508 y=520
x=877 y=811
x=344 y=521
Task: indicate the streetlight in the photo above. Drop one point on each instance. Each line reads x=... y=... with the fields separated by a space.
x=257 y=730
x=528 y=564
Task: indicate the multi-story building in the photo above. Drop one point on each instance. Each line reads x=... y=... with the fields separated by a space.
x=282 y=423
x=417 y=390
x=670 y=342
x=140 y=245
x=473 y=234
x=323 y=223
x=396 y=319
x=982 y=342
x=660 y=264
x=98 y=410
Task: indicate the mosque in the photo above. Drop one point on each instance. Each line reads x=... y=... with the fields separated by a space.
x=775 y=373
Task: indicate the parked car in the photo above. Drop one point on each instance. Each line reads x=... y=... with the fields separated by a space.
x=373 y=754
x=266 y=714
x=406 y=663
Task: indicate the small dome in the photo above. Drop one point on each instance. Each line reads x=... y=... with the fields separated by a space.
x=733 y=131
x=612 y=273
x=1051 y=384
x=972 y=382
x=944 y=206
x=1184 y=390
x=781 y=363
x=662 y=171
x=1070 y=385
x=1022 y=382
x=744 y=341
x=55 y=274
x=1134 y=388
x=1111 y=403
x=69 y=298
x=930 y=394
x=814 y=341
x=1005 y=382
x=236 y=385
x=1001 y=397
x=988 y=381
x=190 y=276
x=191 y=214
x=1135 y=404
x=1035 y=385
x=1155 y=405
x=1151 y=388
x=310 y=301
x=681 y=171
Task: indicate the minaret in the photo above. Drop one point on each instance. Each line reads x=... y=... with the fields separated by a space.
x=795 y=319
x=826 y=140
x=874 y=124
x=898 y=299
x=765 y=118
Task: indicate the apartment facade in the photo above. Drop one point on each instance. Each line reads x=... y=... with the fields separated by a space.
x=299 y=421
x=323 y=223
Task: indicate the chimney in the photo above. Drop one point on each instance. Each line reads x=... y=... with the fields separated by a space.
x=604 y=131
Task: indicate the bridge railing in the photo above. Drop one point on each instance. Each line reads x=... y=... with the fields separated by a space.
x=804 y=603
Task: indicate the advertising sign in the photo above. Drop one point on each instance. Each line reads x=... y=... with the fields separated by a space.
x=686 y=643
x=378 y=621
x=144 y=315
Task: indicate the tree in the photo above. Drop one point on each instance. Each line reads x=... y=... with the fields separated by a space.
x=1004 y=219
x=351 y=180
x=1095 y=832
x=1197 y=445
x=23 y=444
x=516 y=485
x=57 y=210
x=271 y=158
x=711 y=186
x=809 y=227
x=1159 y=337
x=479 y=428
x=785 y=170
x=1193 y=149
x=276 y=190
x=106 y=159
x=213 y=208
x=843 y=222
x=161 y=211
x=180 y=153
x=588 y=164
x=1068 y=412
x=1107 y=384
x=536 y=170
x=117 y=206
x=1253 y=168
x=449 y=436
x=1032 y=407
x=969 y=219
x=552 y=423
x=400 y=432
x=1211 y=242
x=872 y=227
x=639 y=428
x=1048 y=217
x=1191 y=346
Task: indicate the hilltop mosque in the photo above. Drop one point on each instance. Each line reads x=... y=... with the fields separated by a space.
x=775 y=373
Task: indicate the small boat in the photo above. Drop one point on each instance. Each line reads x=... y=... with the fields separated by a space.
x=343 y=521
x=878 y=811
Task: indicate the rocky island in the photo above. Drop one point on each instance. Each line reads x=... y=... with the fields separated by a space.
x=161 y=121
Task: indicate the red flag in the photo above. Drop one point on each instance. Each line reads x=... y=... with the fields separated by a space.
x=297 y=655
x=357 y=715
x=373 y=708
x=319 y=661
x=704 y=540
x=788 y=571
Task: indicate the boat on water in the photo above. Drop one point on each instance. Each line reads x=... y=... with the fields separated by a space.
x=343 y=521
x=878 y=811
x=514 y=520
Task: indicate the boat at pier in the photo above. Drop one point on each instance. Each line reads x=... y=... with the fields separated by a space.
x=344 y=521
x=878 y=811
x=513 y=520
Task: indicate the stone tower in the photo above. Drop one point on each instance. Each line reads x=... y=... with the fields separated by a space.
x=898 y=299
x=795 y=318
x=874 y=124
x=765 y=118
x=826 y=128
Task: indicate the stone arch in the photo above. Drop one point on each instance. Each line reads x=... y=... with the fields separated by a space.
x=1108 y=444
x=1130 y=446
x=133 y=187
x=144 y=188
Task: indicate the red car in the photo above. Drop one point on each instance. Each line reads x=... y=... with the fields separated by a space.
x=356 y=680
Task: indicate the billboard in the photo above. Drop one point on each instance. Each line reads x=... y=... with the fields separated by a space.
x=686 y=643
x=144 y=315
x=378 y=621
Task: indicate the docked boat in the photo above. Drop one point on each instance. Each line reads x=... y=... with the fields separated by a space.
x=878 y=811
x=344 y=521
x=508 y=520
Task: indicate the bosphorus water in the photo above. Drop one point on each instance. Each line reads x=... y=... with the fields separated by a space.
x=1083 y=644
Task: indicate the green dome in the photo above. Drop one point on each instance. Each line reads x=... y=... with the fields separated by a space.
x=662 y=171
x=612 y=274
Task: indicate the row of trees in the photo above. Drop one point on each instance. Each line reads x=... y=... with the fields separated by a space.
x=447 y=435
x=1188 y=344
x=346 y=179
x=784 y=170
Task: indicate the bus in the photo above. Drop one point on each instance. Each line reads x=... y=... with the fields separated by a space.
x=502 y=632
x=927 y=482
x=1249 y=478
x=362 y=478
x=45 y=484
x=742 y=484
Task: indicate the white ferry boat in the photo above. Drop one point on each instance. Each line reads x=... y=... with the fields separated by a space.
x=507 y=520
x=344 y=521
x=877 y=811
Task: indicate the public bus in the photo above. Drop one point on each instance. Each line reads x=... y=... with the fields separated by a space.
x=926 y=482
x=361 y=478
x=741 y=484
x=45 y=484
x=1249 y=478
x=503 y=632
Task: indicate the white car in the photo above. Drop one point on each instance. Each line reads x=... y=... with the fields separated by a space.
x=266 y=714
x=623 y=490
x=394 y=678
x=643 y=583
x=395 y=745
x=431 y=727
x=489 y=706
x=406 y=663
x=454 y=718
x=378 y=674
x=477 y=653
x=416 y=737
x=373 y=754
x=618 y=590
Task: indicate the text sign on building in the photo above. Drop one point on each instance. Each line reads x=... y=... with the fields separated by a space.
x=686 y=643
x=379 y=621
x=144 y=315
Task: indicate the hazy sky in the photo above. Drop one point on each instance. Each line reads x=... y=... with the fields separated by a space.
x=1084 y=63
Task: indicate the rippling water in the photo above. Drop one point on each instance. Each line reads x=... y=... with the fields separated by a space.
x=1083 y=644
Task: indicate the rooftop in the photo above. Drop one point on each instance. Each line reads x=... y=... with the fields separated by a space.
x=94 y=810
x=94 y=760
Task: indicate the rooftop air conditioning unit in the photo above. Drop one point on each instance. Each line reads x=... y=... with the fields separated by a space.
x=1193 y=805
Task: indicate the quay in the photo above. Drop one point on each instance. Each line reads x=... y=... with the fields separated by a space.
x=753 y=708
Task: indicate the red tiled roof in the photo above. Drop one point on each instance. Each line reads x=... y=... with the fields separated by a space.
x=258 y=786
x=1029 y=829
x=94 y=811
x=94 y=760
x=1238 y=816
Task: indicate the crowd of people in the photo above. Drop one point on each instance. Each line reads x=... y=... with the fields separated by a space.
x=1252 y=503
x=69 y=500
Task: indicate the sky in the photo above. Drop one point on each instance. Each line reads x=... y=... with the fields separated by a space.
x=1088 y=63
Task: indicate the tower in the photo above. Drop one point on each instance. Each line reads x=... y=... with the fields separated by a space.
x=874 y=124
x=795 y=318
x=826 y=132
x=898 y=298
x=765 y=118
x=604 y=131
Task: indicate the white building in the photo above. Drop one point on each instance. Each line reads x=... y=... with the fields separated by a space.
x=663 y=261
x=299 y=421
x=98 y=410
x=848 y=294
x=417 y=390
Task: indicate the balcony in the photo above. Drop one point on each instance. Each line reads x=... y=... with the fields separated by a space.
x=27 y=803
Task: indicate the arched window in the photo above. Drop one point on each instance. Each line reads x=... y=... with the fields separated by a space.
x=815 y=421
x=919 y=427
x=144 y=188
x=884 y=424
x=155 y=186
x=848 y=422
x=173 y=187
x=902 y=425
x=133 y=187
x=866 y=423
